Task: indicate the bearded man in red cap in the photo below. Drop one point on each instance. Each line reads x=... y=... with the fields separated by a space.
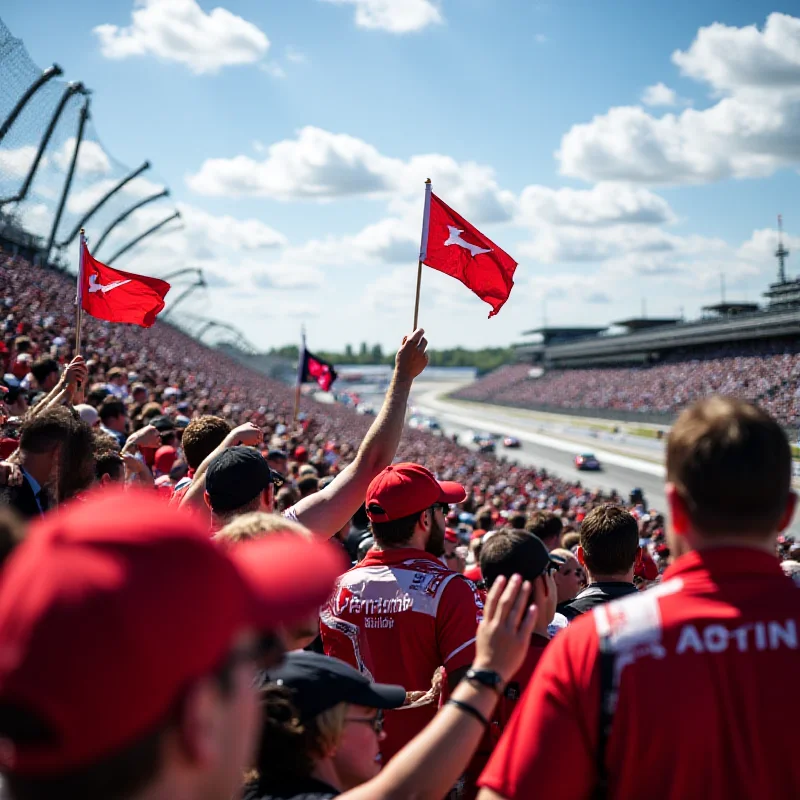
x=400 y=614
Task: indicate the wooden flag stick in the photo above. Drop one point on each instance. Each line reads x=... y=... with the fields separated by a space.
x=79 y=301
x=416 y=302
x=423 y=247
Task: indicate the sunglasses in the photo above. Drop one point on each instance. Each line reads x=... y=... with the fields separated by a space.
x=376 y=722
x=443 y=507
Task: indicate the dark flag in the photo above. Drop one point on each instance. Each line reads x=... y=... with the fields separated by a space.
x=314 y=368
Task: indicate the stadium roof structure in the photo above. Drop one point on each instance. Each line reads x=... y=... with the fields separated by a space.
x=645 y=323
x=729 y=309
x=550 y=334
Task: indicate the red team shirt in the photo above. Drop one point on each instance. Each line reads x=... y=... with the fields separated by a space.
x=398 y=616
x=715 y=647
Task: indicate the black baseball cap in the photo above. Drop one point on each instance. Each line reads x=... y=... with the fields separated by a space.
x=237 y=476
x=275 y=454
x=322 y=682
x=516 y=552
x=162 y=424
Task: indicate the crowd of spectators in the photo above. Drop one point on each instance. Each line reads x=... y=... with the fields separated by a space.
x=757 y=374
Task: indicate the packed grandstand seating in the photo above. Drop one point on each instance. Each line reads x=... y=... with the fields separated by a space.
x=177 y=370
x=768 y=377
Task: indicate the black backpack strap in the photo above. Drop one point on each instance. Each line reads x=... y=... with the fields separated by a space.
x=608 y=702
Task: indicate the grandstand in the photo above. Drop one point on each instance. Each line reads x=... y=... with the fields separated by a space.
x=655 y=367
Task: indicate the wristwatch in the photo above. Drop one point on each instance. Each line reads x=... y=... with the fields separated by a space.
x=485 y=677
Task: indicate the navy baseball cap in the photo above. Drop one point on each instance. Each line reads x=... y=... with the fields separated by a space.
x=321 y=682
x=237 y=476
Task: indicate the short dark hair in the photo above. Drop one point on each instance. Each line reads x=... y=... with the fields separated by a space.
x=110 y=408
x=731 y=463
x=109 y=462
x=397 y=532
x=308 y=485
x=43 y=367
x=201 y=437
x=570 y=539
x=506 y=553
x=545 y=524
x=610 y=540
x=484 y=519
x=44 y=432
x=518 y=520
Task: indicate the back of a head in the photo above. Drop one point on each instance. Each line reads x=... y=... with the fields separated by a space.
x=610 y=540
x=308 y=485
x=731 y=464
x=547 y=526
x=42 y=368
x=111 y=408
x=517 y=521
x=201 y=437
x=512 y=552
x=46 y=431
x=484 y=519
x=257 y=525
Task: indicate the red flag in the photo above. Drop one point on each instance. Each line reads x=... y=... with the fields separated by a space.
x=452 y=245
x=117 y=296
x=315 y=368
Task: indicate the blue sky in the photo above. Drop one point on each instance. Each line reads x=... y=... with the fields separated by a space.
x=619 y=150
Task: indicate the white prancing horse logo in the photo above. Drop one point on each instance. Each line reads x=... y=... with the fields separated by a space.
x=455 y=238
x=94 y=286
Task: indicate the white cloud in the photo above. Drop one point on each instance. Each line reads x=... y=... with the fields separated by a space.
x=749 y=132
x=395 y=16
x=321 y=165
x=659 y=95
x=276 y=276
x=82 y=200
x=760 y=247
x=92 y=159
x=602 y=205
x=16 y=163
x=181 y=31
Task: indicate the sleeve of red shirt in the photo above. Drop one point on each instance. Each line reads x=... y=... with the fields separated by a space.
x=460 y=610
x=549 y=744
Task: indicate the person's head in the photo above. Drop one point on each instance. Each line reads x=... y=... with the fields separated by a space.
x=609 y=543
x=164 y=459
x=570 y=577
x=792 y=570
x=453 y=552
x=278 y=461
x=45 y=371
x=570 y=540
x=116 y=376
x=407 y=507
x=547 y=526
x=239 y=481
x=517 y=521
x=257 y=525
x=129 y=572
x=114 y=415
x=58 y=451
x=201 y=437
x=16 y=399
x=109 y=468
x=286 y=497
x=729 y=474
x=308 y=485
x=514 y=552
x=322 y=719
x=88 y=414
x=484 y=518
x=139 y=394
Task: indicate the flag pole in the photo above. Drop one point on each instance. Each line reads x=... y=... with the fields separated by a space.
x=299 y=380
x=423 y=247
x=79 y=296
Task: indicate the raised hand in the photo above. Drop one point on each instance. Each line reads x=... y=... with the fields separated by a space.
x=411 y=357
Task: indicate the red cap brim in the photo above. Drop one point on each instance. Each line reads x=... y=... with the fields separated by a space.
x=287 y=576
x=452 y=492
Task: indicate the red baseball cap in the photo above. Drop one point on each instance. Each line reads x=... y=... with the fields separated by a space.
x=451 y=535
x=404 y=489
x=111 y=608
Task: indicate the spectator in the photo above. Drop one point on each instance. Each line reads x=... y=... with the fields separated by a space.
x=257 y=525
x=90 y=416
x=45 y=373
x=569 y=541
x=400 y=614
x=55 y=455
x=114 y=419
x=116 y=384
x=517 y=521
x=200 y=438
x=453 y=551
x=426 y=767
x=308 y=486
x=278 y=462
x=547 y=526
x=609 y=550
x=792 y=570
x=569 y=577
x=712 y=638
x=187 y=722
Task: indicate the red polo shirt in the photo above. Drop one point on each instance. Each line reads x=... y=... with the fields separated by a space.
x=398 y=616
x=716 y=644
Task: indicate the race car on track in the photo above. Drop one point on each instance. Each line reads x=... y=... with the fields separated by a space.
x=587 y=461
x=511 y=441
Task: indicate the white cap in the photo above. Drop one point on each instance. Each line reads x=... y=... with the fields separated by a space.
x=88 y=414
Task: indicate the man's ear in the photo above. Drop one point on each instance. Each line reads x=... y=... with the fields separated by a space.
x=207 y=500
x=581 y=556
x=678 y=511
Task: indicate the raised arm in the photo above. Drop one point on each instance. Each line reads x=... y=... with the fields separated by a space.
x=325 y=512
x=430 y=764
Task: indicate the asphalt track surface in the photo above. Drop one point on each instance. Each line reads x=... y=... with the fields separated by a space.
x=626 y=465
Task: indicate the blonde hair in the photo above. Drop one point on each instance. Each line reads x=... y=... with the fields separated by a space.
x=330 y=726
x=257 y=525
x=564 y=553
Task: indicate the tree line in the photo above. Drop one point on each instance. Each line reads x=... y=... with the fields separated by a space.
x=484 y=360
